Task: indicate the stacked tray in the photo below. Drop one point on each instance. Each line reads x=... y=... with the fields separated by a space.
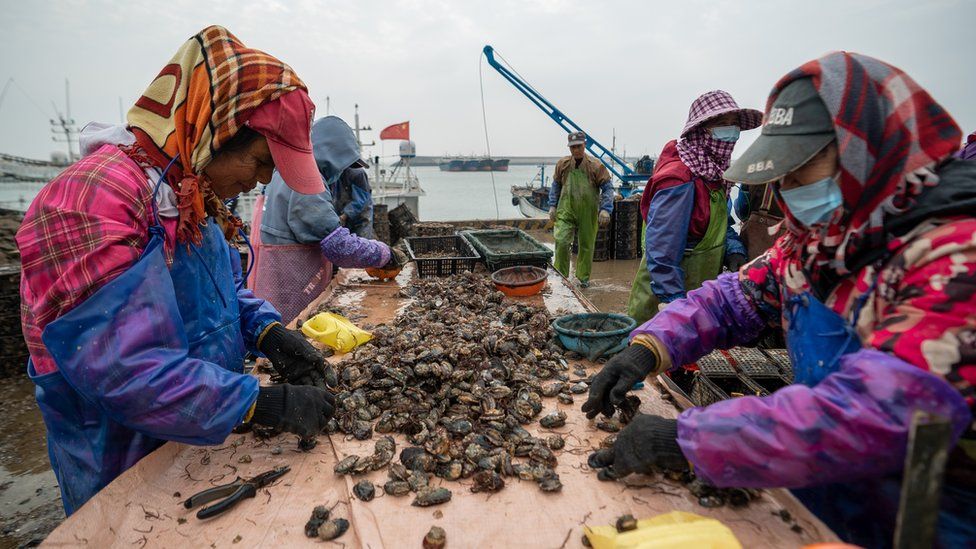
x=381 y=223
x=602 y=249
x=755 y=365
x=401 y=222
x=626 y=223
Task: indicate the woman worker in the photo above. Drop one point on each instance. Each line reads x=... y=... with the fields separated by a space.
x=302 y=234
x=874 y=284
x=688 y=236
x=132 y=304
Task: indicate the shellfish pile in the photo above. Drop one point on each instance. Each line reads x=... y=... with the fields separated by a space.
x=460 y=373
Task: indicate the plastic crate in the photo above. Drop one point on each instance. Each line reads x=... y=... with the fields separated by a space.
x=715 y=363
x=782 y=360
x=463 y=257
x=753 y=363
x=770 y=384
x=503 y=248
x=711 y=389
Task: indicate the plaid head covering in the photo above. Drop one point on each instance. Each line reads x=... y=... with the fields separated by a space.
x=890 y=136
x=704 y=155
x=198 y=102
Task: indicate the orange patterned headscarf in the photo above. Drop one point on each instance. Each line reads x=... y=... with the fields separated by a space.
x=198 y=102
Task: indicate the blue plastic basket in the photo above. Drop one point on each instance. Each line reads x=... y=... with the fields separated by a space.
x=594 y=334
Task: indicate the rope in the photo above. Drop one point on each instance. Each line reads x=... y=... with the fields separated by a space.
x=484 y=120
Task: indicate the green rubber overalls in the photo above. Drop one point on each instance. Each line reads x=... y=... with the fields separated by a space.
x=578 y=208
x=701 y=263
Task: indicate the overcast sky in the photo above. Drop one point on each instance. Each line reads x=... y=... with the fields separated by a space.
x=629 y=66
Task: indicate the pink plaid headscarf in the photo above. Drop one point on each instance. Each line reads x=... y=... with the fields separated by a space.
x=704 y=155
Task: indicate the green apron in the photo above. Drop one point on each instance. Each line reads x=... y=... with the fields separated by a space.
x=578 y=208
x=701 y=263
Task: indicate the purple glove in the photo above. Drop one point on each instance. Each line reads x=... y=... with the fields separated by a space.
x=346 y=250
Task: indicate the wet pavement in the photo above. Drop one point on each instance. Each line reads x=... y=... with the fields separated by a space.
x=30 y=503
x=610 y=280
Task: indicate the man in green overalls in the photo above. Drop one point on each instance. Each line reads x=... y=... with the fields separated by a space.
x=581 y=197
x=687 y=234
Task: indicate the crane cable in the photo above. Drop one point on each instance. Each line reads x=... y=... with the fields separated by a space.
x=484 y=120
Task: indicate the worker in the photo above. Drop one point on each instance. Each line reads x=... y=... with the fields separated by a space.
x=302 y=235
x=580 y=198
x=687 y=235
x=339 y=161
x=761 y=218
x=873 y=284
x=132 y=303
x=968 y=152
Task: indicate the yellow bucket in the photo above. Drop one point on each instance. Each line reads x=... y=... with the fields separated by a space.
x=675 y=530
x=335 y=331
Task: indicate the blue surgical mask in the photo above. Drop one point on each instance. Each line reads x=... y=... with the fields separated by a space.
x=729 y=134
x=813 y=203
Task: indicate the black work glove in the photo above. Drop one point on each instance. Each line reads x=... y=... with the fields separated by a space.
x=397 y=259
x=294 y=358
x=618 y=376
x=296 y=409
x=734 y=262
x=647 y=444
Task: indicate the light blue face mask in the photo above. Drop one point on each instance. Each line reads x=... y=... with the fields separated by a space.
x=729 y=134
x=813 y=203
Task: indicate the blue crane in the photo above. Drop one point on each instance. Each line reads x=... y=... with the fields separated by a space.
x=614 y=163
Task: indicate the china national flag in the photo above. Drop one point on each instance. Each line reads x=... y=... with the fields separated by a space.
x=397 y=131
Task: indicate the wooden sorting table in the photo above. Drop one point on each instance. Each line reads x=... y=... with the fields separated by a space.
x=143 y=506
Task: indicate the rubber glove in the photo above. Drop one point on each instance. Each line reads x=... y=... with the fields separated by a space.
x=618 y=376
x=398 y=258
x=604 y=218
x=552 y=214
x=734 y=262
x=646 y=445
x=297 y=409
x=295 y=359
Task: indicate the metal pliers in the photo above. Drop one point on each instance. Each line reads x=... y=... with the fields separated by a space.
x=232 y=493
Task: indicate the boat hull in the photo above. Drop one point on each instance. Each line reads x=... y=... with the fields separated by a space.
x=527 y=209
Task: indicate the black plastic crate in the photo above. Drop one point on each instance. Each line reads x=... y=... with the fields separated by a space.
x=462 y=256
x=782 y=360
x=715 y=363
x=711 y=389
x=753 y=362
x=770 y=384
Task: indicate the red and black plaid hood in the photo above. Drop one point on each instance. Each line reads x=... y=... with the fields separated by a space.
x=891 y=134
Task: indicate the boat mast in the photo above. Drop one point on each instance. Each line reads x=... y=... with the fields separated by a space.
x=64 y=123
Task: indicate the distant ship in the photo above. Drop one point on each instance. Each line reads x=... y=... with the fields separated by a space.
x=473 y=164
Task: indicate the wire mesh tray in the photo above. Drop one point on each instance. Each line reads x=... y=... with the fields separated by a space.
x=715 y=363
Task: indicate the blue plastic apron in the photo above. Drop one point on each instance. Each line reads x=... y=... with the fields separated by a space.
x=143 y=330
x=861 y=512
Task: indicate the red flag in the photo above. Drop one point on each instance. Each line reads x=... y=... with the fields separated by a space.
x=397 y=131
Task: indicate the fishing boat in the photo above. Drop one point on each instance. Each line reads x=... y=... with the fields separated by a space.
x=532 y=199
x=397 y=184
x=472 y=164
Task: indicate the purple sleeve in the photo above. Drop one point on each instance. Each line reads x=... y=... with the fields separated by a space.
x=347 y=250
x=667 y=221
x=716 y=316
x=853 y=424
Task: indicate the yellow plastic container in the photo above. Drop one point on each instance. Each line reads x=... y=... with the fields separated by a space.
x=675 y=530
x=335 y=331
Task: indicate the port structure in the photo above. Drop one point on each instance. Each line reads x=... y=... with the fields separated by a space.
x=627 y=176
